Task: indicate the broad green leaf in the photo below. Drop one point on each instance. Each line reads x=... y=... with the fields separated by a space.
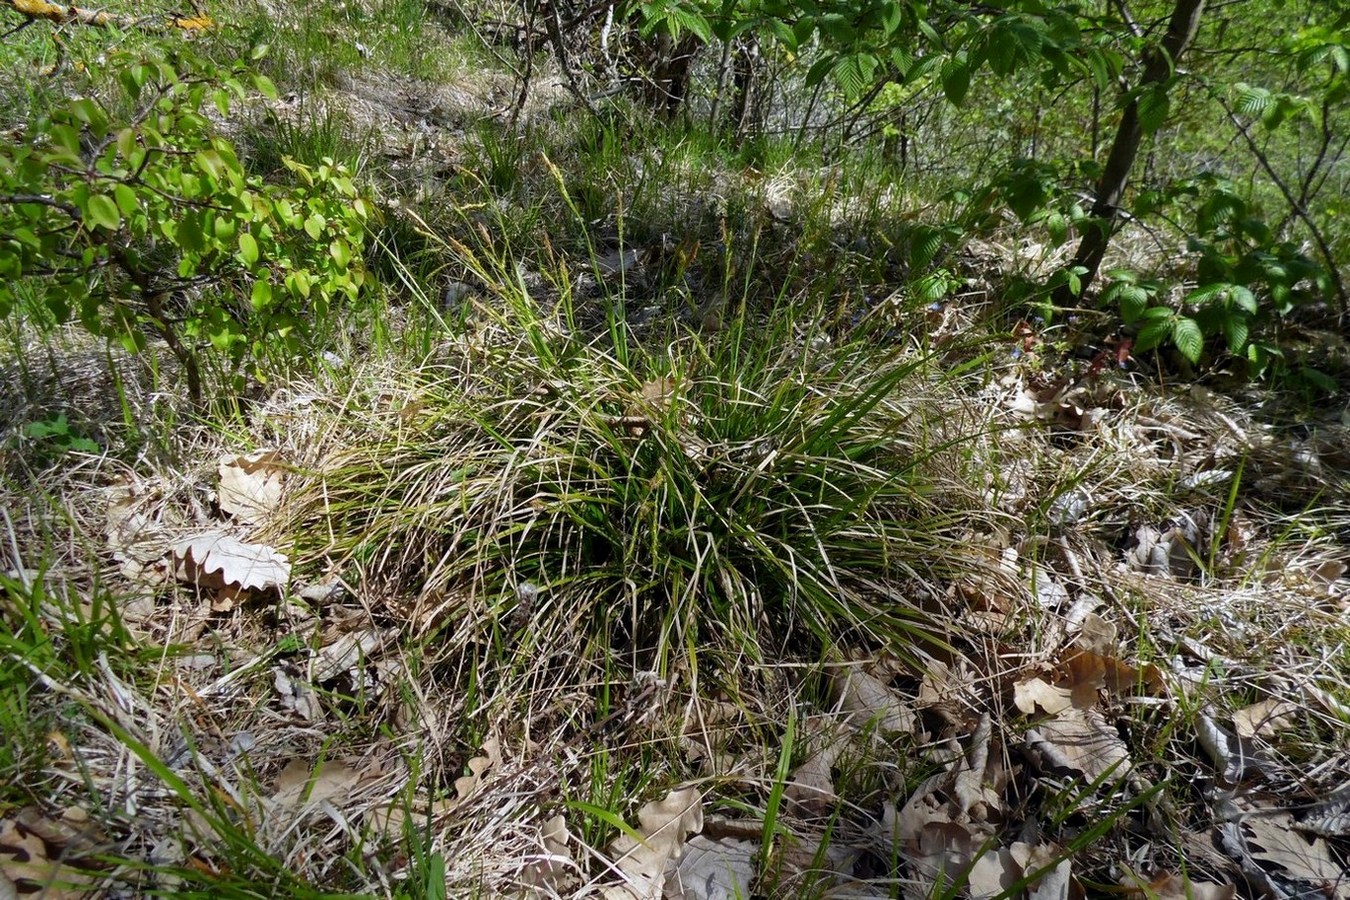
x=1187 y=336
x=1251 y=101
x=265 y=87
x=1153 y=106
x=1205 y=293
x=1152 y=334
x=1133 y=301
x=1235 y=332
x=261 y=297
x=102 y=211
x=248 y=249
x=127 y=201
x=1243 y=298
x=209 y=161
x=956 y=78
x=341 y=253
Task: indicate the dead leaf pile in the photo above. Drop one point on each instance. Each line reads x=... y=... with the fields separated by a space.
x=42 y=856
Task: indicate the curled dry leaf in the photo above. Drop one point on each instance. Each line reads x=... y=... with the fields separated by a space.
x=1265 y=718
x=1272 y=853
x=478 y=766
x=713 y=870
x=250 y=485
x=390 y=819
x=220 y=562
x=301 y=786
x=871 y=699
x=33 y=866
x=1171 y=886
x=1082 y=741
x=811 y=786
x=1236 y=757
x=663 y=826
x=298 y=696
x=553 y=869
x=135 y=530
x=346 y=653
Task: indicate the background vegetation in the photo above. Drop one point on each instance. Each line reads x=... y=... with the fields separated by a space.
x=894 y=448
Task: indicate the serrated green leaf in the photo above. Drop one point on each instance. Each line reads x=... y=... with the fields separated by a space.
x=1188 y=338
x=1251 y=101
x=1133 y=302
x=1243 y=298
x=1235 y=333
x=1152 y=334
x=1320 y=380
x=1153 y=106
x=1205 y=293
x=956 y=78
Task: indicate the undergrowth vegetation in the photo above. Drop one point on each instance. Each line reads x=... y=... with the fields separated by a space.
x=674 y=450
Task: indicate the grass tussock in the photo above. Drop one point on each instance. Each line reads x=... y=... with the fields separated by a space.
x=761 y=491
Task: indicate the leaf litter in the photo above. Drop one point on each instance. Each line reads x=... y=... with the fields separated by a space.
x=1066 y=677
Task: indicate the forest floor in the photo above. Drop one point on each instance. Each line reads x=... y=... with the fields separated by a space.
x=649 y=532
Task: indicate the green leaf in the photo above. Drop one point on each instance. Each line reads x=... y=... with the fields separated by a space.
x=102 y=211
x=209 y=161
x=1243 y=298
x=1187 y=336
x=891 y=17
x=248 y=249
x=816 y=74
x=1152 y=334
x=1251 y=101
x=1320 y=380
x=340 y=253
x=1235 y=332
x=315 y=225
x=956 y=78
x=1153 y=106
x=265 y=87
x=1133 y=301
x=1205 y=293
x=127 y=201
x=261 y=297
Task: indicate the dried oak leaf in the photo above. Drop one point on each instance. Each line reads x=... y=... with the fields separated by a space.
x=28 y=869
x=220 y=562
x=646 y=861
x=553 y=870
x=1170 y=886
x=713 y=870
x=1083 y=741
x=250 y=485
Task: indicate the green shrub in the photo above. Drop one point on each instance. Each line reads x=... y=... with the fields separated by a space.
x=136 y=220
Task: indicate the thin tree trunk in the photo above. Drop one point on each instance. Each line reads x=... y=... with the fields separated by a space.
x=1158 y=66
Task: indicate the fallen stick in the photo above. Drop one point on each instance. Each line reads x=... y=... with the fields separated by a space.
x=64 y=15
